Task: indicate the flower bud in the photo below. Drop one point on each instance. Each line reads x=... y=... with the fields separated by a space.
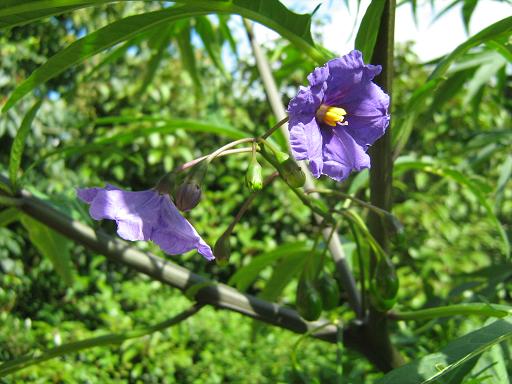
x=253 y=177
x=308 y=301
x=384 y=285
x=187 y=195
x=222 y=250
x=290 y=170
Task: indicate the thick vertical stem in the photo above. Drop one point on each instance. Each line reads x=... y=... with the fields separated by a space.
x=381 y=172
x=373 y=337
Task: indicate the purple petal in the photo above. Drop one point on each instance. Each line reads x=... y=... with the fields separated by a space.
x=136 y=213
x=87 y=195
x=175 y=234
x=306 y=143
x=346 y=75
x=306 y=102
x=367 y=114
x=341 y=154
x=318 y=76
x=145 y=215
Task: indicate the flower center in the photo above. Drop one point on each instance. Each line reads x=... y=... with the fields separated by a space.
x=331 y=115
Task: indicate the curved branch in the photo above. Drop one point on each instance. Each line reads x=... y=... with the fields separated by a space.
x=218 y=295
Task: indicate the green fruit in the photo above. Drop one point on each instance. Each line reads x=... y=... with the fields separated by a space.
x=290 y=170
x=329 y=291
x=308 y=301
x=384 y=285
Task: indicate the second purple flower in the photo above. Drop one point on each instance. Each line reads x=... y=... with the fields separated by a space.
x=338 y=116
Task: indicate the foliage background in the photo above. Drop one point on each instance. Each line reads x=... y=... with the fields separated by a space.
x=138 y=94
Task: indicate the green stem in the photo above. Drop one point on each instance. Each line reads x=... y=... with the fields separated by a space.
x=362 y=275
x=216 y=153
x=299 y=193
x=275 y=128
x=482 y=309
x=247 y=203
x=324 y=191
x=113 y=338
x=194 y=162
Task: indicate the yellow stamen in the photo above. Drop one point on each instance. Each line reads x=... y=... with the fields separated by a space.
x=331 y=115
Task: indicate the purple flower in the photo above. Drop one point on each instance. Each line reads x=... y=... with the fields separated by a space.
x=145 y=215
x=338 y=116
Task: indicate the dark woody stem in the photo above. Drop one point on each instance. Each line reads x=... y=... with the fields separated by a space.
x=372 y=338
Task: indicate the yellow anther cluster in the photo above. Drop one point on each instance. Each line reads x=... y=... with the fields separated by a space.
x=331 y=115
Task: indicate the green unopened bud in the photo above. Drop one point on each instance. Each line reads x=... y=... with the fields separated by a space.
x=254 y=177
x=384 y=285
x=290 y=170
x=308 y=301
x=187 y=196
x=222 y=250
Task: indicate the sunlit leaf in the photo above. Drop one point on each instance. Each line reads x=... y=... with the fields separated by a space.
x=9 y=215
x=460 y=178
x=496 y=30
x=369 y=28
x=19 y=143
x=270 y=13
x=434 y=366
x=246 y=275
x=51 y=245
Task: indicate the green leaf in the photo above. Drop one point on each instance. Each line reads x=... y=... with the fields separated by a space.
x=492 y=365
x=432 y=367
x=208 y=36
x=369 y=28
x=493 y=31
x=472 y=186
x=51 y=245
x=467 y=11
x=166 y=126
x=245 y=276
x=188 y=56
x=270 y=13
x=16 y=12
x=129 y=135
x=283 y=274
x=505 y=174
x=19 y=143
x=449 y=88
x=482 y=76
x=159 y=41
x=9 y=215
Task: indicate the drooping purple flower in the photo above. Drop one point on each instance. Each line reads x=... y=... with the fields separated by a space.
x=145 y=215
x=338 y=116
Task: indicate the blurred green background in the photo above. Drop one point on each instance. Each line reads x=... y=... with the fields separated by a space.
x=170 y=95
